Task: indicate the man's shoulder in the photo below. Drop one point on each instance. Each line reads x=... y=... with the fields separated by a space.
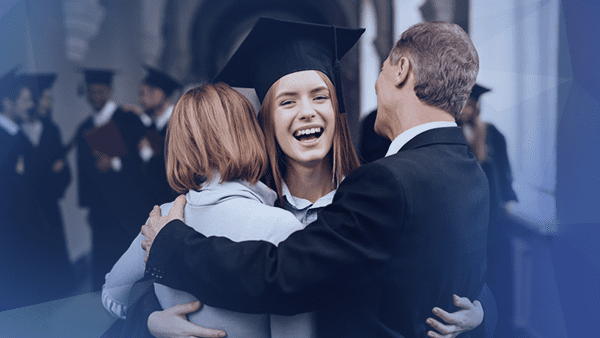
x=127 y=118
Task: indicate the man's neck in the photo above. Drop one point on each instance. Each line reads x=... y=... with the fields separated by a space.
x=420 y=114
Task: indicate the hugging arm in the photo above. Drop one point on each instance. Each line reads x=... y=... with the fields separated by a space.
x=304 y=270
x=298 y=274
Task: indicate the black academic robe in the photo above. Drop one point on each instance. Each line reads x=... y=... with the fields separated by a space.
x=498 y=171
x=372 y=146
x=115 y=200
x=25 y=261
x=402 y=235
x=501 y=228
x=48 y=187
x=158 y=190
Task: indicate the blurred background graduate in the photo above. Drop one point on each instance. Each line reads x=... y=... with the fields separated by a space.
x=488 y=144
x=50 y=173
x=109 y=173
x=156 y=92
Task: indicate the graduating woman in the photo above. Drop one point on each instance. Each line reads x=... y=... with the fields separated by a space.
x=306 y=133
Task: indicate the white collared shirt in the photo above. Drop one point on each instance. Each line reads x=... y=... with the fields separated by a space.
x=105 y=114
x=305 y=211
x=33 y=131
x=163 y=119
x=160 y=121
x=9 y=125
x=409 y=134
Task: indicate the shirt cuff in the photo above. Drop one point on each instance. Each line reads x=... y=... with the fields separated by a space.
x=116 y=164
x=146 y=154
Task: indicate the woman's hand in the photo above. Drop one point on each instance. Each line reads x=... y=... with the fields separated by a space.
x=172 y=323
x=467 y=318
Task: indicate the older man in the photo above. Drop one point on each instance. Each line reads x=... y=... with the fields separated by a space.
x=402 y=235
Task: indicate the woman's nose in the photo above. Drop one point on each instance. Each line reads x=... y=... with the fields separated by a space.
x=307 y=111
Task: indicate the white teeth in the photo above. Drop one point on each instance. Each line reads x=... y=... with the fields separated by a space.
x=308 y=131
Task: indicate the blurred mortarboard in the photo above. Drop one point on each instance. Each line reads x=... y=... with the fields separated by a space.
x=275 y=48
x=477 y=91
x=162 y=80
x=37 y=82
x=98 y=76
x=8 y=83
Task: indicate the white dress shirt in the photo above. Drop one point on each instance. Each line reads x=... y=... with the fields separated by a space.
x=409 y=134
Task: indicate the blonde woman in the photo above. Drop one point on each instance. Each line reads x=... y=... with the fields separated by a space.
x=215 y=155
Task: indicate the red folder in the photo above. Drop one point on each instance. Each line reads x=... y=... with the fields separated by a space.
x=107 y=140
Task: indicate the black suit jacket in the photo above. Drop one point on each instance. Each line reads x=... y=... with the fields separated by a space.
x=402 y=235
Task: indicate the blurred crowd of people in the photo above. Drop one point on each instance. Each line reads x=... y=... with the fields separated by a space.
x=119 y=150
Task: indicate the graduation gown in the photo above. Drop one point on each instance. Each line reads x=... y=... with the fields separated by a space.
x=48 y=187
x=27 y=261
x=158 y=190
x=372 y=146
x=402 y=235
x=501 y=229
x=498 y=171
x=115 y=198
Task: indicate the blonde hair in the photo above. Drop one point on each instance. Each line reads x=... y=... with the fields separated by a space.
x=342 y=156
x=213 y=127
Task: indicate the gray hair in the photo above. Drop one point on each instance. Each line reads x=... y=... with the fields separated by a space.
x=445 y=63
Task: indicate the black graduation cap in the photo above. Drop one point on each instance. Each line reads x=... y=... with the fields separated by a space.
x=275 y=48
x=477 y=91
x=37 y=82
x=8 y=83
x=162 y=80
x=98 y=76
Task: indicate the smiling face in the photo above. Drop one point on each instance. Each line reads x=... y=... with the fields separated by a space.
x=303 y=117
x=97 y=95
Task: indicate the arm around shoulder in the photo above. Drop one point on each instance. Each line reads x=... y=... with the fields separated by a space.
x=348 y=245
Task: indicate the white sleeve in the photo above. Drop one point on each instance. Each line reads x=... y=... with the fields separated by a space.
x=128 y=270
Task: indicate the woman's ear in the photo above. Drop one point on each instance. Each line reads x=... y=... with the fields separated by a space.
x=402 y=71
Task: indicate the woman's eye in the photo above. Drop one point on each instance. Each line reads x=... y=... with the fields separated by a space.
x=286 y=102
x=321 y=97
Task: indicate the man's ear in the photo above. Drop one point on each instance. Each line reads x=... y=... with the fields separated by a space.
x=402 y=70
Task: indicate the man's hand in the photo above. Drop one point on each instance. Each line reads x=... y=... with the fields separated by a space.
x=172 y=323
x=103 y=162
x=58 y=166
x=466 y=319
x=156 y=222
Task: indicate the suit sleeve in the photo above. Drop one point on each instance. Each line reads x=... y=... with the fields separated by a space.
x=349 y=245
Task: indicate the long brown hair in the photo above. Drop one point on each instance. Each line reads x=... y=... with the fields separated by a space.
x=213 y=127
x=342 y=155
